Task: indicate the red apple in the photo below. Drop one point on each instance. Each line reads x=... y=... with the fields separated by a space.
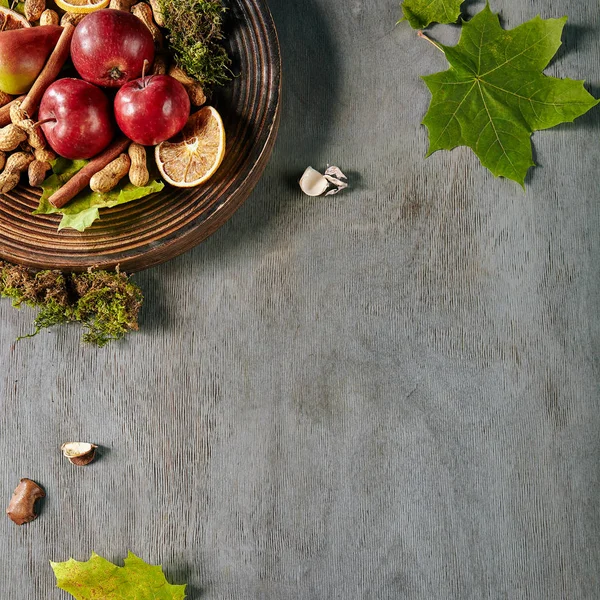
x=152 y=109
x=80 y=121
x=109 y=47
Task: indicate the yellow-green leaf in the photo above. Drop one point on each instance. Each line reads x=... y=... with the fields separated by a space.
x=421 y=13
x=99 y=579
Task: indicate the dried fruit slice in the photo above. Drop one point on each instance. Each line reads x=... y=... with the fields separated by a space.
x=82 y=6
x=193 y=156
x=11 y=19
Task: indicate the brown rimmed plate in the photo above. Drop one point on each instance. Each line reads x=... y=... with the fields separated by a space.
x=150 y=231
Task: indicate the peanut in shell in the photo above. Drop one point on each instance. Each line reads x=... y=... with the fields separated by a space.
x=10 y=137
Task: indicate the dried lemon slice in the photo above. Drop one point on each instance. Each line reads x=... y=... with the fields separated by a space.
x=193 y=156
x=82 y=6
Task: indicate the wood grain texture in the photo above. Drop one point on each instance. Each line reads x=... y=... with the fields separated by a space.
x=389 y=394
x=157 y=228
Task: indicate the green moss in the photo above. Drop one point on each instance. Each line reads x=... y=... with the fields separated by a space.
x=195 y=34
x=106 y=304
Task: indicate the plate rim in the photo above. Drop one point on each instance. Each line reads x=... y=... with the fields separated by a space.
x=153 y=253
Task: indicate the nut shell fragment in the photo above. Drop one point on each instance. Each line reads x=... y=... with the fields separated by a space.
x=331 y=182
x=79 y=453
x=21 y=507
x=312 y=183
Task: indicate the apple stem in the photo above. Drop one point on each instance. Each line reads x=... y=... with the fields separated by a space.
x=50 y=120
x=146 y=63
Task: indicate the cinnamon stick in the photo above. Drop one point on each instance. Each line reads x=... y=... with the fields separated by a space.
x=80 y=180
x=50 y=71
x=5 y=111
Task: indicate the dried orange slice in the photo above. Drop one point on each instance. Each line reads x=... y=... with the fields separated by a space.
x=11 y=19
x=193 y=156
x=82 y=6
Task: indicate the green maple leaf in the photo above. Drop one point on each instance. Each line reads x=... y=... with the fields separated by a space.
x=420 y=13
x=494 y=95
x=99 y=579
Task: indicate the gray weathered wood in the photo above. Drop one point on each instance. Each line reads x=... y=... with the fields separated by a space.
x=392 y=393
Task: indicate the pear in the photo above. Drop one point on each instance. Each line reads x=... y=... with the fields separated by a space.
x=23 y=54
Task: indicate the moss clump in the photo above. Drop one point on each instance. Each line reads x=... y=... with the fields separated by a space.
x=106 y=304
x=195 y=34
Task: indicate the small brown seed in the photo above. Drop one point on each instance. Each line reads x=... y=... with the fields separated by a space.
x=49 y=17
x=37 y=172
x=10 y=137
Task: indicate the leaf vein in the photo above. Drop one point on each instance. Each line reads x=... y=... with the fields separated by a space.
x=539 y=40
x=453 y=116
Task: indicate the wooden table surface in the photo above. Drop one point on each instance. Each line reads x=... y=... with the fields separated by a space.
x=389 y=393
